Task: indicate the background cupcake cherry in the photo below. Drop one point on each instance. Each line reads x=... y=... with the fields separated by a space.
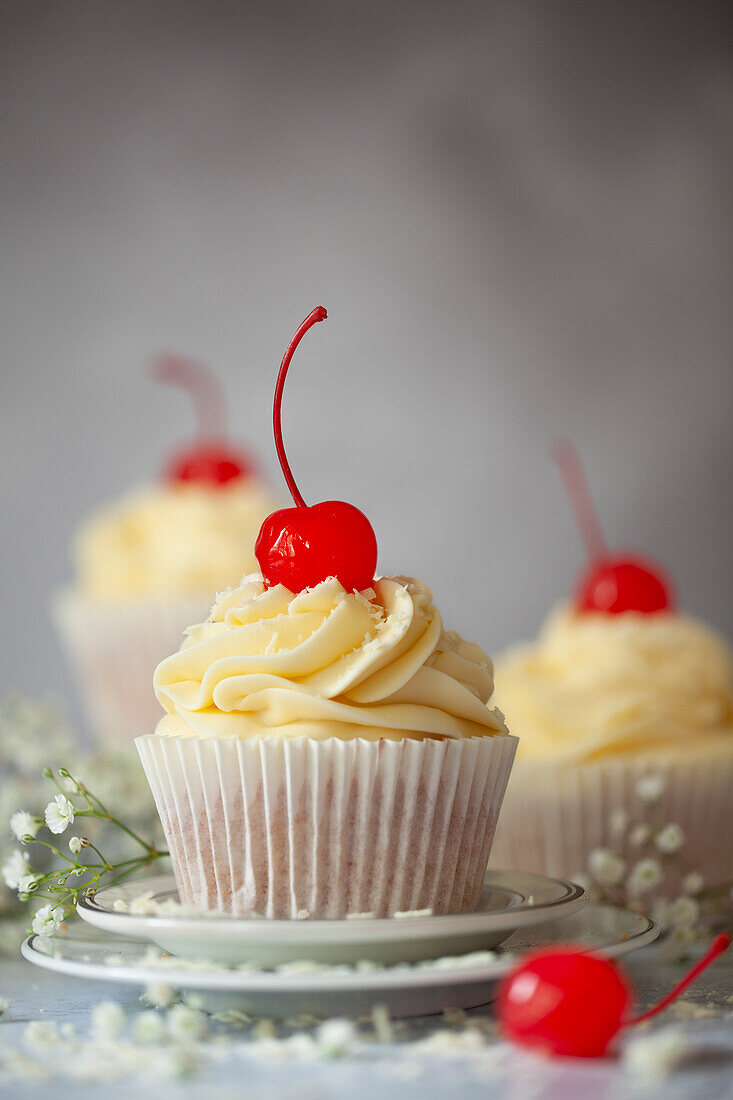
x=302 y=546
x=613 y=583
x=211 y=460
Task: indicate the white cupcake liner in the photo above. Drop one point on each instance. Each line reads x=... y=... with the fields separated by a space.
x=280 y=827
x=114 y=649
x=555 y=814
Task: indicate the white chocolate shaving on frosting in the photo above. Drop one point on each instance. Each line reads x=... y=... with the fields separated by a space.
x=597 y=685
x=171 y=540
x=326 y=663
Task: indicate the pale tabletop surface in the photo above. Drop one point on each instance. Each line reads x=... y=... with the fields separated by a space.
x=227 y=1065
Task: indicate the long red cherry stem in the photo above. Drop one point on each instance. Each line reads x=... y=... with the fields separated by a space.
x=720 y=944
x=571 y=470
x=202 y=385
x=316 y=315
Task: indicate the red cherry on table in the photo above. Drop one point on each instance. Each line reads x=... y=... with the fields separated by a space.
x=302 y=546
x=612 y=583
x=562 y=1001
x=568 y=1001
x=624 y=583
x=211 y=460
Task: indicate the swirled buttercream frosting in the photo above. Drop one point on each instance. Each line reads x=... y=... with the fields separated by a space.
x=171 y=540
x=596 y=685
x=326 y=663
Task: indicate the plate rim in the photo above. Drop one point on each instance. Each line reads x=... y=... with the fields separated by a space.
x=331 y=979
x=315 y=930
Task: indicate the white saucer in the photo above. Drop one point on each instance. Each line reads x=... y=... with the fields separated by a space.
x=510 y=900
x=406 y=990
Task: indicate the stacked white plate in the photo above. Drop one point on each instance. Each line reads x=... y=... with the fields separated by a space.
x=413 y=964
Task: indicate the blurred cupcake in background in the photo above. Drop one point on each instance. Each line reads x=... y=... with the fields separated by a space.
x=150 y=563
x=624 y=710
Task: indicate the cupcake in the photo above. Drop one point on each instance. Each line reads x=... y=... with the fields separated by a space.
x=150 y=563
x=327 y=747
x=621 y=702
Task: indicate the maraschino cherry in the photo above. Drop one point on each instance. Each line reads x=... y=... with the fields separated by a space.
x=613 y=582
x=567 y=1001
x=302 y=546
x=211 y=460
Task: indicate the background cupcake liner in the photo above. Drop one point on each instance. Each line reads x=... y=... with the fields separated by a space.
x=278 y=826
x=113 y=650
x=555 y=814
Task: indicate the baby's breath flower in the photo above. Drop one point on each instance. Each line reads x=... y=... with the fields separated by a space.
x=683 y=910
x=76 y=844
x=618 y=822
x=159 y=995
x=16 y=867
x=41 y=1032
x=186 y=1023
x=677 y=944
x=23 y=824
x=693 y=883
x=108 y=1020
x=650 y=788
x=606 y=867
x=639 y=835
x=59 y=814
x=334 y=1037
x=645 y=875
x=149 y=1027
x=670 y=839
x=46 y=921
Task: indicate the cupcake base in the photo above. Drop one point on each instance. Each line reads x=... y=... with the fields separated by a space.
x=286 y=828
x=555 y=814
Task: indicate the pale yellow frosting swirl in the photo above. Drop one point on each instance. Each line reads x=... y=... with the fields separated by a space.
x=171 y=540
x=597 y=685
x=326 y=663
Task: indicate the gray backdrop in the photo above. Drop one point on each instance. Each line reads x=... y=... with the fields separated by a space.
x=517 y=214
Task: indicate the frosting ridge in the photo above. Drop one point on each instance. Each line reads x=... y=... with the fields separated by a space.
x=326 y=663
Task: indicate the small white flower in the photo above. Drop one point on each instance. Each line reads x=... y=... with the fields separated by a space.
x=677 y=944
x=59 y=814
x=693 y=883
x=15 y=869
x=334 y=1037
x=645 y=875
x=618 y=822
x=23 y=824
x=670 y=839
x=46 y=921
x=683 y=910
x=159 y=995
x=186 y=1023
x=108 y=1020
x=149 y=1027
x=639 y=835
x=657 y=1055
x=650 y=788
x=41 y=1032
x=29 y=882
x=606 y=867
x=75 y=845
